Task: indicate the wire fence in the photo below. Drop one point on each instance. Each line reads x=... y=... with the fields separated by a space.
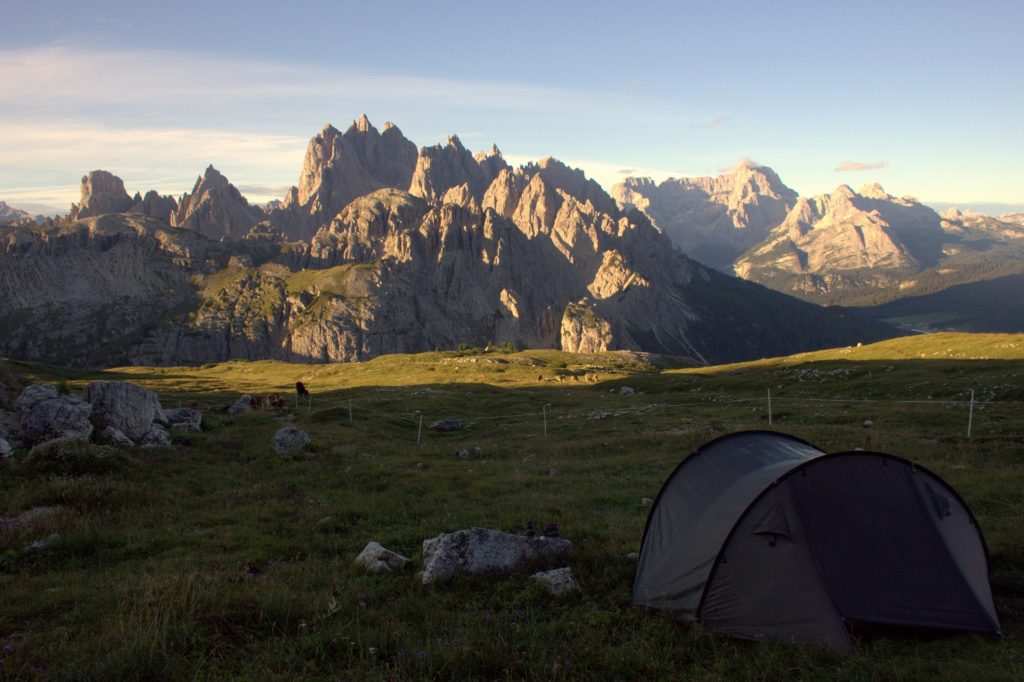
x=768 y=406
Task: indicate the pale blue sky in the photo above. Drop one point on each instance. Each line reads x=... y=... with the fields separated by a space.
x=927 y=95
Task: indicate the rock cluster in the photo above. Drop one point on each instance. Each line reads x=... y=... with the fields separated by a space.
x=46 y=415
x=126 y=407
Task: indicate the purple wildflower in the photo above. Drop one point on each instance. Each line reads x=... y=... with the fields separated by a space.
x=420 y=655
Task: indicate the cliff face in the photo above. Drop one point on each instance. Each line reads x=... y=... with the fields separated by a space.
x=712 y=219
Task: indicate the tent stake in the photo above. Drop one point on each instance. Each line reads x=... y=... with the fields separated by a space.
x=769 y=407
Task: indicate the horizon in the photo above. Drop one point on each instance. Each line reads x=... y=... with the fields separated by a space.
x=822 y=95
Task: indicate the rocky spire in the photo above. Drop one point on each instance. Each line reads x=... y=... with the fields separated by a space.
x=102 y=192
x=215 y=208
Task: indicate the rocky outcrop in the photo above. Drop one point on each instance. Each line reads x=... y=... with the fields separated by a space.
x=713 y=219
x=127 y=407
x=339 y=167
x=584 y=331
x=163 y=208
x=46 y=415
x=376 y=558
x=9 y=214
x=216 y=209
x=102 y=192
x=289 y=439
x=441 y=168
x=184 y=419
x=480 y=551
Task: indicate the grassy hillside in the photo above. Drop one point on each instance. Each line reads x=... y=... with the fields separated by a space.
x=217 y=558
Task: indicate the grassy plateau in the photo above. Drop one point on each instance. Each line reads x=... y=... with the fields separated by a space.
x=217 y=558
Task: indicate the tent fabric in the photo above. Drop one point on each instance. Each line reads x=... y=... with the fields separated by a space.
x=762 y=535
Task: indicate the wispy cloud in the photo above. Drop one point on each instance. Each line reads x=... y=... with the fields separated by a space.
x=744 y=162
x=846 y=166
x=716 y=122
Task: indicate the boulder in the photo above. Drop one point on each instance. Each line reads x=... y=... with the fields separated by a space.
x=558 y=581
x=243 y=404
x=118 y=437
x=481 y=550
x=127 y=407
x=376 y=558
x=5 y=448
x=156 y=437
x=48 y=541
x=627 y=390
x=446 y=424
x=46 y=415
x=185 y=419
x=289 y=439
x=28 y=518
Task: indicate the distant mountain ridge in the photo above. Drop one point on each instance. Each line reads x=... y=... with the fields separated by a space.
x=406 y=251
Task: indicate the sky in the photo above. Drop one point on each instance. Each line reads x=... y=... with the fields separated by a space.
x=922 y=97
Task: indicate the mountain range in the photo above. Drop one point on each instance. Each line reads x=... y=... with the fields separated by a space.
x=382 y=248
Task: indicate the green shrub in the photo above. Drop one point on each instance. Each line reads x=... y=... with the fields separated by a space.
x=74 y=457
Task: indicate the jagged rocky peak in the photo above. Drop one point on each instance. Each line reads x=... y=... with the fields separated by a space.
x=874 y=191
x=504 y=192
x=440 y=168
x=154 y=205
x=573 y=182
x=338 y=167
x=714 y=218
x=102 y=192
x=9 y=214
x=215 y=208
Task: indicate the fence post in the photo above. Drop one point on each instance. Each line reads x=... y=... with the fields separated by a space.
x=769 y=407
x=419 y=432
x=545 y=421
x=970 y=415
x=350 y=413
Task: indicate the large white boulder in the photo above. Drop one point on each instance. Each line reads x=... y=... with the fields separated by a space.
x=46 y=415
x=128 y=407
x=481 y=551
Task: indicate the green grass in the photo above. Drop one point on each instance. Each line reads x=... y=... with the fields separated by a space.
x=218 y=559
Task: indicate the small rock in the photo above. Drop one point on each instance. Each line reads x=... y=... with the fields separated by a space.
x=325 y=520
x=868 y=423
x=627 y=390
x=118 y=437
x=558 y=581
x=463 y=454
x=530 y=457
x=49 y=541
x=376 y=558
x=5 y=448
x=477 y=451
x=646 y=502
x=289 y=439
x=481 y=550
x=635 y=556
x=156 y=437
x=185 y=419
x=446 y=424
x=243 y=404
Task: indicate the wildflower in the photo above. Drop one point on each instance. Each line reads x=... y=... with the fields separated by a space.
x=8 y=649
x=420 y=655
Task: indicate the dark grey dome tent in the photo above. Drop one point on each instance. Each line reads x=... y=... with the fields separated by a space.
x=762 y=535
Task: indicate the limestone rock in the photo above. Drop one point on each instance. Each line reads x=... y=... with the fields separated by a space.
x=446 y=424
x=9 y=214
x=216 y=209
x=128 y=407
x=118 y=437
x=483 y=551
x=45 y=543
x=5 y=448
x=29 y=518
x=289 y=439
x=557 y=581
x=378 y=559
x=243 y=404
x=156 y=437
x=441 y=168
x=583 y=330
x=154 y=205
x=184 y=419
x=46 y=415
x=102 y=192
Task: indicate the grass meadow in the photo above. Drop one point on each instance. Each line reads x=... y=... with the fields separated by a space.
x=217 y=559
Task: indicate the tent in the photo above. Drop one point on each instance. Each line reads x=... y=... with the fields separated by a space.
x=761 y=535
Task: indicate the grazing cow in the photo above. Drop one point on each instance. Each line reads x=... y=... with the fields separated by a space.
x=300 y=390
x=275 y=401
x=256 y=401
